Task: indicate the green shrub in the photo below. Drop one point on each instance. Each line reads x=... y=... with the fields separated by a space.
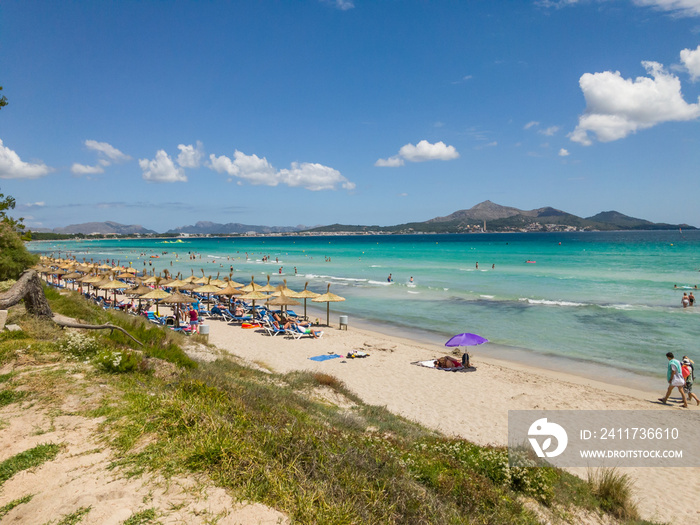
x=118 y=361
x=80 y=345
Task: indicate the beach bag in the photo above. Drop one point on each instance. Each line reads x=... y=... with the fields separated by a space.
x=685 y=369
x=677 y=380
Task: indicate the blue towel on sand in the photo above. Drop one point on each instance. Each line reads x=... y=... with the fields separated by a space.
x=324 y=357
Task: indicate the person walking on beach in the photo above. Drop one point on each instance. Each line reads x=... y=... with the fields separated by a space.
x=688 y=371
x=194 y=319
x=675 y=379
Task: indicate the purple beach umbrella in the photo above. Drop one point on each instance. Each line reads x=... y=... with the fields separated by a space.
x=466 y=340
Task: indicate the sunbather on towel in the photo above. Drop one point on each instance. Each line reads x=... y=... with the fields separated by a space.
x=448 y=362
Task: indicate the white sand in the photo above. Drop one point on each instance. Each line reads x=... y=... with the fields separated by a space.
x=470 y=405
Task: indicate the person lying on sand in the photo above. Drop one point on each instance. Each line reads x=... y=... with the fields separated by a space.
x=450 y=362
x=447 y=362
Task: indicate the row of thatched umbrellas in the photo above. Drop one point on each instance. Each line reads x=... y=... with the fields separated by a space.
x=281 y=295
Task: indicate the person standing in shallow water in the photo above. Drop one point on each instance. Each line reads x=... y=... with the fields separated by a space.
x=691 y=299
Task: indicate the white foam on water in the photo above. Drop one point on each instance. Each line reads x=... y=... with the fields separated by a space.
x=380 y=283
x=409 y=291
x=548 y=302
x=487 y=296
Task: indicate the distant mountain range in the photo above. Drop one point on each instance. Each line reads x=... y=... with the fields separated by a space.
x=108 y=227
x=492 y=217
x=485 y=216
x=209 y=228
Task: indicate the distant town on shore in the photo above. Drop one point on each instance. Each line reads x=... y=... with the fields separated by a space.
x=484 y=217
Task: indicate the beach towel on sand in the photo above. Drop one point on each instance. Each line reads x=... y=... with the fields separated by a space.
x=431 y=364
x=324 y=357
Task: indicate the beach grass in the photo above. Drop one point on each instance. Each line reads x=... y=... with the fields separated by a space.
x=27 y=459
x=301 y=442
x=614 y=490
x=5 y=509
x=72 y=518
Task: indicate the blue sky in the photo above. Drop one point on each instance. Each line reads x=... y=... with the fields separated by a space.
x=350 y=111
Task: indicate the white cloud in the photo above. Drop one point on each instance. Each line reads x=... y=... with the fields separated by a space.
x=256 y=170
x=107 y=154
x=343 y=5
x=424 y=150
x=314 y=177
x=391 y=162
x=161 y=169
x=616 y=107
x=563 y=152
x=691 y=60
x=551 y=130
x=531 y=124
x=38 y=204
x=12 y=167
x=190 y=156
x=676 y=7
x=107 y=150
x=82 y=169
x=465 y=78
x=421 y=152
x=251 y=168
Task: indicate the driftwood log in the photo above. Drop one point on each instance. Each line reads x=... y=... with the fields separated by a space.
x=29 y=287
x=69 y=322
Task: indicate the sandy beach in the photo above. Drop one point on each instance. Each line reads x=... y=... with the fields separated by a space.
x=470 y=405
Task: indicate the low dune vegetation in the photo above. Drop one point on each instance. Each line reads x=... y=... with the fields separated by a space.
x=278 y=439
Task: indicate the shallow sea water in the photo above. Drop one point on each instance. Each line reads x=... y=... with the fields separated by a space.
x=588 y=300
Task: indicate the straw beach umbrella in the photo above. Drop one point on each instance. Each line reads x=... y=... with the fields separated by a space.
x=328 y=298
x=157 y=295
x=207 y=289
x=113 y=285
x=230 y=290
x=177 y=299
x=283 y=300
x=139 y=291
x=282 y=289
x=305 y=294
x=252 y=286
x=74 y=276
x=268 y=287
x=254 y=296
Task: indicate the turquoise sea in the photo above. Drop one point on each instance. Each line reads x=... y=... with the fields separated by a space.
x=598 y=304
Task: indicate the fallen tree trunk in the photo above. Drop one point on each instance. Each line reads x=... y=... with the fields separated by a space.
x=29 y=287
x=69 y=322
